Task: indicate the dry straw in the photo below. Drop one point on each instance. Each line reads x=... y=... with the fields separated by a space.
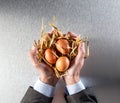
x=48 y=40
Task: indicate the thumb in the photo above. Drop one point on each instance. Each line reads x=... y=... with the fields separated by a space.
x=81 y=50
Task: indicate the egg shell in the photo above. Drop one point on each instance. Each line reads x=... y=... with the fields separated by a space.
x=62 y=64
x=63 y=46
x=50 y=56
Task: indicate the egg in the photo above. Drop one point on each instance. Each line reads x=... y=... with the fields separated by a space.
x=63 y=46
x=62 y=64
x=50 y=56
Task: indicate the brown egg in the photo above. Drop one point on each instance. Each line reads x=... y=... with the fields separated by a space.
x=50 y=56
x=63 y=46
x=62 y=64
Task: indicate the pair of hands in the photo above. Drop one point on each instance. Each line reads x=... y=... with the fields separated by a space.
x=47 y=74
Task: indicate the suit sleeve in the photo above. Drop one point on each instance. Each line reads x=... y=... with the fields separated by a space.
x=85 y=96
x=32 y=96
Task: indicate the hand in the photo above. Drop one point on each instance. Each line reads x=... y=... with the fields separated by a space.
x=73 y=73
x=47 y=74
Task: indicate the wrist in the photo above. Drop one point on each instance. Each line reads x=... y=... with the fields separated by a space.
x=70 y=80
x=75 y=88
x=48 y=80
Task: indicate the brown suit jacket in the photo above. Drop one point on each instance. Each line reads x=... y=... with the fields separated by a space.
x=85 y=96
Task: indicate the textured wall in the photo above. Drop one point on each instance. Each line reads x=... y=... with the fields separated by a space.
x=20 y=22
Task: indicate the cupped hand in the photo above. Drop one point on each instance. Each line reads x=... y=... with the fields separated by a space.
x=73 y=73
x=47 y=74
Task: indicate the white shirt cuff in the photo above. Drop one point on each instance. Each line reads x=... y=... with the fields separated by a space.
x=44 y=89
x=75 y=88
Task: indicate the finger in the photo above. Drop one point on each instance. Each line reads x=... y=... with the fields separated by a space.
x=81 y=54
x=81 y=49
x=51 y=32
x=73 y=35
x=32 y=55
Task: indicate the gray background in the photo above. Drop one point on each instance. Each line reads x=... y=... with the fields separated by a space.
x=20 y=22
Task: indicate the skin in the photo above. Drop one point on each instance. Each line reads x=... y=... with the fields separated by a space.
x=47 y=74
x=73 y=73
